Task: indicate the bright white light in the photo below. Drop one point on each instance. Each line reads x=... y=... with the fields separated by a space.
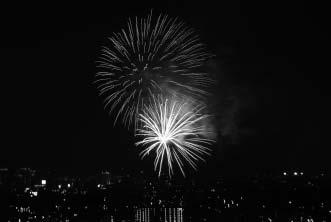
x=69 y=185
x=295 y=173
x=284 y=173
x=176 y=129
x=43 y=182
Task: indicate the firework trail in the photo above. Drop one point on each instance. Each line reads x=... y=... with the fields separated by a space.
x=150 y=56
x=175 y=131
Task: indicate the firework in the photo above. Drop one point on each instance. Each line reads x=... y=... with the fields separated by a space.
x=176 y=131
x=150 y=56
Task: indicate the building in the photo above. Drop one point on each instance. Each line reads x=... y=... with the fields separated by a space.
x=105 y=178
x=159 y=215
x=25 y=176
x=4 y=175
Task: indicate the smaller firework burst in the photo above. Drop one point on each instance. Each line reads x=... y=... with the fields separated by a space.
x=175 y=130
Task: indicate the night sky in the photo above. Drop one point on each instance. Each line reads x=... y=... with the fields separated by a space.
x=271 y=103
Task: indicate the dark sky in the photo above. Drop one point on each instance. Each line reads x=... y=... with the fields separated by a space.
x=272 y=62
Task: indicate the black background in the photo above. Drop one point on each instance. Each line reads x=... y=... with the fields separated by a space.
x=272 y=62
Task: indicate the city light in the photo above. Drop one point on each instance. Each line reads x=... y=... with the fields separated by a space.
x=164 y=201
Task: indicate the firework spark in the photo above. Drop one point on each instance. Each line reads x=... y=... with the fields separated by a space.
x=150 y=56
x=176 y=131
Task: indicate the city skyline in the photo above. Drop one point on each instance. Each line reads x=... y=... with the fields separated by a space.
x=106 y=196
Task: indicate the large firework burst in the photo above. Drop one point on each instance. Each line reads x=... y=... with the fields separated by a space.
x=175 y=130
x=150 y=56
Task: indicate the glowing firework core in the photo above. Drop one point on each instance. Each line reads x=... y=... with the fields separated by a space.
x=164 y=139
